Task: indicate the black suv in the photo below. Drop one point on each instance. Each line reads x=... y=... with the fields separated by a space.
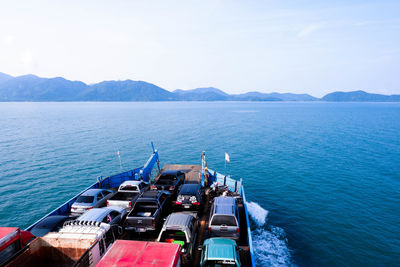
x=190 y=197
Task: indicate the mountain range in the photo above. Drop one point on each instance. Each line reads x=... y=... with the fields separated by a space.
x=34 y=88
x=360 y=96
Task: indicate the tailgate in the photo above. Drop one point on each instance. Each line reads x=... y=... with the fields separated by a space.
x=140 y=224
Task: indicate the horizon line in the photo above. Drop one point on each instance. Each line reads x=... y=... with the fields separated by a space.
x=172 y=91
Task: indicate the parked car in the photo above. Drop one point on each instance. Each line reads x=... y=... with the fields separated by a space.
x=148 y=211
x=220 y=252
x=224 y=217
x=169 y=180
x=128 y=193
x=190 y=197
x=92 y=198
x=181 y=228
x=49 y=224
x=109 y=215
x=133 y=186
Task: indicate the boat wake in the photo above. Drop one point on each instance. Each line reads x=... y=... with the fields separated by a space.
x=269 y=242
x=257 y=213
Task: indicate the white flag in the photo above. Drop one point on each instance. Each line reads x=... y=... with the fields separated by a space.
x=226 y=157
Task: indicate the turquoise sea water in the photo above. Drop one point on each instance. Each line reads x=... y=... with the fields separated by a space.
x=322 y=179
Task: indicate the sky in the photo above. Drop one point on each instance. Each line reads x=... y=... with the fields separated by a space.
x=313 y=47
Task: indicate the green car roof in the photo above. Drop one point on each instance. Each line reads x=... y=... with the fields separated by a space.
x=220 y=249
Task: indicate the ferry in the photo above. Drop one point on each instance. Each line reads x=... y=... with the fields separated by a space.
x=178 y=237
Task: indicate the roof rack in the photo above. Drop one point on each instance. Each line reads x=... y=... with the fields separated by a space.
x=82 y=223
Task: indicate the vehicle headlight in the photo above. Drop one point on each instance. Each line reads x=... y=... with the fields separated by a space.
x=193 y=199
x=180 y=198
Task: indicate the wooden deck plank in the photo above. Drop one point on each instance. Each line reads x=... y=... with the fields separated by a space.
x=203 y=229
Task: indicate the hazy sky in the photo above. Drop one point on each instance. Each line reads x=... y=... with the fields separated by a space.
x=238 y=46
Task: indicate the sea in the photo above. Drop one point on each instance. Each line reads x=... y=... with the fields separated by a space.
x=322 y=180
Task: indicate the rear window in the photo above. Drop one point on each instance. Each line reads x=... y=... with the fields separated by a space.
x=129 y=188
x=146 y=204
x=85 y=199
x=105 y=193
x=189 y=189
x=224 y=219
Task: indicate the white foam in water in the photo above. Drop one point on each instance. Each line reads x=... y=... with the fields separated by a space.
x=270 y=246
x=258 y=214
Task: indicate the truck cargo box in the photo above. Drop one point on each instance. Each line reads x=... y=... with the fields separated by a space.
x=73 y=245
x=141 y=254
x=42 y=253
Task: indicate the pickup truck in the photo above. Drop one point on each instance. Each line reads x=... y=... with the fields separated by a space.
x=128 y=193
x=169 y=180
x=148 y=211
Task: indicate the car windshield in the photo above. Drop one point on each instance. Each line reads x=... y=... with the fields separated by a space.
x=223 y=220
x=85 y=199
x=220 y=263
x=174 y=236
x=129 y=188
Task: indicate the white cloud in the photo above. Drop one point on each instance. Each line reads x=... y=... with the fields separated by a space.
x=26 y=59
x=8 y=40
x=306 y=31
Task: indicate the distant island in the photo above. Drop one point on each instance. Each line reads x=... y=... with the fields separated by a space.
x=34 y=88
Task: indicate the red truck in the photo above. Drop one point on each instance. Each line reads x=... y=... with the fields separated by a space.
x=141 y=254
x=12 y=241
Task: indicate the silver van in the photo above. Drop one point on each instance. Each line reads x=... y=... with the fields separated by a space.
x=224 y=218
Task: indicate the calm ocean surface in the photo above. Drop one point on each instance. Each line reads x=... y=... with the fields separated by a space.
x=322 y=179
